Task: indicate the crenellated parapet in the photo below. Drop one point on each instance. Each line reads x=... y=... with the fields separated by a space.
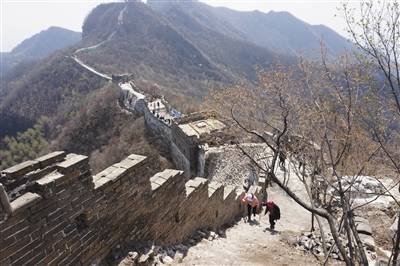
x=66 y=215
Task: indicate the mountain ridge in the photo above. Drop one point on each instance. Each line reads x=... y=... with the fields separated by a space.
x=280 y=31
x=38 y=46
x=179 y=53
x=56 y=38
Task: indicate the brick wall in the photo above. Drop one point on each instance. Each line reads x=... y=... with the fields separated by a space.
x=157 y=127
x=66 y=216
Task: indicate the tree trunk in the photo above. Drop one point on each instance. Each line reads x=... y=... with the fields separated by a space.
x=396 y=242
x=348 y=233
x=320 y=212
x=363 y=257
x=338 y=243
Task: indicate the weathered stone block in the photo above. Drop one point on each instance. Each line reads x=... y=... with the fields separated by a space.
x=131 y=162
x=20 y=169
x=25 y=254
x=8 y=251
x=359 y=219
x=364 y=228
x=193 y=184
x=51 y=158
x=213 y=187
x=117 y=173
x=368 y=241
x=72 y=162
x=10 y=229
x=110 y=174
x=36 y=258
x=50 y=178
x=25 y=201
x=163 y=177
x=228 y=190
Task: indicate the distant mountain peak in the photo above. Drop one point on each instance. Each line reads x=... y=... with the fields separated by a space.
x=46 y=42
x=38 y=46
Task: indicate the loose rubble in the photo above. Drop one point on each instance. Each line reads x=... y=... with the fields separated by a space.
x=168 y=255
x=312 y=242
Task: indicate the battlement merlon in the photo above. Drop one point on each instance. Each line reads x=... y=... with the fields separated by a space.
x=164 y=178
x=21 y=203
x=28 y=166
x=118 y=170
x=195 y=184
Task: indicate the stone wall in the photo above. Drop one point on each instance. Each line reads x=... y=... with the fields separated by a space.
x=63 y=215
x=187 y=152
x=179 y=159
x=157 y=127
x=154 y=124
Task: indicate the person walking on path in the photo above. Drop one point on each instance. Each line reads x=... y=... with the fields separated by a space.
x=274 y=213
x=252 y=204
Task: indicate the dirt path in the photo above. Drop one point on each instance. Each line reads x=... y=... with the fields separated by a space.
x=252 y=244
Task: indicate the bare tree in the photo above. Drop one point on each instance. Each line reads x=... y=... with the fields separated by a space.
x=307 y=114
x=376 y=33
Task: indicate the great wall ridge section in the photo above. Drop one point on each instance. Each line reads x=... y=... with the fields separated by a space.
x=53 y=211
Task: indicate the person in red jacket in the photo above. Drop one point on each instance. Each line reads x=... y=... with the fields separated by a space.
x=274 y=213
x=252 y=204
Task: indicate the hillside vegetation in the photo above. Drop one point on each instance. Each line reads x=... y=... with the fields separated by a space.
x=47 y=89
x=107 y=134
x=24 y=146
x=180 y=50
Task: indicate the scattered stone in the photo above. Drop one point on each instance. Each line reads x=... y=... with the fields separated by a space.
x=309 y=244
x=213 y=236
x=358 y=219
x=133 y=255
x=318 y=249
x=364 y=228
x=178 y=257
x=147 y=257
x=368 y=242
x=167 y=260
x=143 y=258
x=125 y=262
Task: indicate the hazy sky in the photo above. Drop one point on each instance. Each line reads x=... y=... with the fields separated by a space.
x=21 y=19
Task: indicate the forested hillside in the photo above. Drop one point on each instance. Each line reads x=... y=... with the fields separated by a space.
x=177 y=49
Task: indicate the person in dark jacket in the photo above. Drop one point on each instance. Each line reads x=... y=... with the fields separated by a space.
x=274 y=213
